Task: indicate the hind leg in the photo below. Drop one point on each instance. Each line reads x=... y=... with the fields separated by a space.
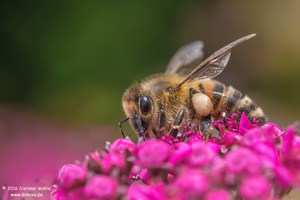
x=205 y=124
x=202 y=107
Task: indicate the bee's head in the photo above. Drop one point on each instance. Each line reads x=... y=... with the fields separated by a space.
x=138 y=107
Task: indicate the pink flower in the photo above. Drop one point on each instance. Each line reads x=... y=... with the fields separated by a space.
x=201 y=155
x=121 y=145
x=169 y=139
x=112 y=160
x=144 y=192
x=214 y=146
x=245 y=124
x=218 y=171
x=251 y=137
x=283 y=177
x=267 y=154
x=232 y=124
x=135 y=171
x=145 y=176
x=181 y=151
x=195 y=138
x=272 y=129
x=71 y=175
x=93 y=161
x=244 y=161
x=101 y=187
x=191 y=184
x=287 y=143
x=218 y=194
x=256 y=188
x=229 y=138
x=153 y=153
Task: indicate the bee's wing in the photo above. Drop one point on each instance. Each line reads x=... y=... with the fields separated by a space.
x=214 y=64
x=186 y=58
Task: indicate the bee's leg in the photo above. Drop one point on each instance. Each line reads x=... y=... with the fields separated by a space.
x=200 y=107
x=162 y=118
x=162 y=123
x=177 y=122
x=205 y=124
x=120 y=126
x=140 y=131
x=194 y=121
x=141 y=137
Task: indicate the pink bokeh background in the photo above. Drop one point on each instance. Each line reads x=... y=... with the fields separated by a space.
x=32 y=148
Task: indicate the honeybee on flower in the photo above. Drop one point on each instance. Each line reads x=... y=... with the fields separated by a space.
x=187 y=94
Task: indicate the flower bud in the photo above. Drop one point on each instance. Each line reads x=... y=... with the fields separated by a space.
x=71 y=175
x=101 y=187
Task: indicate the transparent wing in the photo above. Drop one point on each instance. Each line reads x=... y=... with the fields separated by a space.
x=213 y=68
x=214 y=64
x=186 y=59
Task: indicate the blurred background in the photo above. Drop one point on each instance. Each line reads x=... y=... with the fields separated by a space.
x=65 y=64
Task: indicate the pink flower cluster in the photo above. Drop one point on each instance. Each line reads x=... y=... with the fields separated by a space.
x=240 y=161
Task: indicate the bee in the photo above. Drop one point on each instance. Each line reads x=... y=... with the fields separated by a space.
x=186 y=94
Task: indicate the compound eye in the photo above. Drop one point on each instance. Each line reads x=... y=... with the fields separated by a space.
x=145 y=104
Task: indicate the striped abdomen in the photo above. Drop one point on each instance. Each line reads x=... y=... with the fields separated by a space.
x=230 y=100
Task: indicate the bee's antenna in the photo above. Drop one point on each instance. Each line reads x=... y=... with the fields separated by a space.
x=120 y=126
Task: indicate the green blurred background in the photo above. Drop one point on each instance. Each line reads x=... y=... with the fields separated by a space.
x=70 y=61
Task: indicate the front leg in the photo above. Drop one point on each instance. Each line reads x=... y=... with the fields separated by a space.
x=120 y=126
x=177 y=122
